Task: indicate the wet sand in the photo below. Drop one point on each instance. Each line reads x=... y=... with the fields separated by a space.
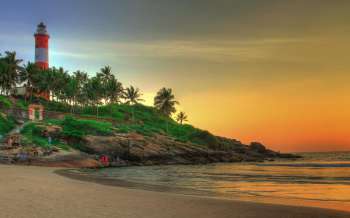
x=28 y=191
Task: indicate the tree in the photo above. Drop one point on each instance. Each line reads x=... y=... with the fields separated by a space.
x=3 y=74
x=132 y=95
x=94 y=91
x=10 y=72
x=30 y=75
x=181 y=117
x=70 y=90
x=165 y=101
x=113 y=90
x=105 y=75
x=59 y=84
x=81 y=79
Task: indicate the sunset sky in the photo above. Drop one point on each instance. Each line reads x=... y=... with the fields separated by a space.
x=277 y=72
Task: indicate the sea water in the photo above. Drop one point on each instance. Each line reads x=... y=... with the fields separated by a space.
x=319 y=180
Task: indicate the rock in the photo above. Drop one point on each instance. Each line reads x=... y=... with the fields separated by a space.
x=52 y=130
x=140 y=150
x=256 y=146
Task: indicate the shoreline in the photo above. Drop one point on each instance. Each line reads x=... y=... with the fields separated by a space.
x=79 y=174
x=40 y=192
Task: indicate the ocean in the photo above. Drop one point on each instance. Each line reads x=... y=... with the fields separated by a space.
x=317 y=180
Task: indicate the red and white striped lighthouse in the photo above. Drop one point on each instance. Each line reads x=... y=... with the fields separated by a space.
x=42 y=52
x=42 y=46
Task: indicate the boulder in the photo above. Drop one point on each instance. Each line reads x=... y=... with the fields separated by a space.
x=258 y=147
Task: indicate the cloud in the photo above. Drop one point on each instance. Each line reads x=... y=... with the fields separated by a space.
x=223 y=51
x=70 y=54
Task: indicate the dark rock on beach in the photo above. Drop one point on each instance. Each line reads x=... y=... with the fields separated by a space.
x=142 y=150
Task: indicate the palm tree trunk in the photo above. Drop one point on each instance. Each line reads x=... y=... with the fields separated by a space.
x=97 y=110
x=132 y=114
x=167 y=126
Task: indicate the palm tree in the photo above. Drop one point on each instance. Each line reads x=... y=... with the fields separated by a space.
x=81 y=79
x=59 y=83
x=10 y=72
x=132 y=95
x=29 y=75
x=114 y=90
x=181 y=117
x=105 y=75
x=71 y=88
x=3 y=74
x=94 y=91
x=165 y=101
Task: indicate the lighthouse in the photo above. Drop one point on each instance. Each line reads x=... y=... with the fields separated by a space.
x=42 y=46
x=42 y=52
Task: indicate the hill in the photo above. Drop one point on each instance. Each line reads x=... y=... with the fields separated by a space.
x=127 y=134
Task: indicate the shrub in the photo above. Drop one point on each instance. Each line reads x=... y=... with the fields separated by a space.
x=32 y=133
x=77 y=128
x=5 y=103
x=6 y=124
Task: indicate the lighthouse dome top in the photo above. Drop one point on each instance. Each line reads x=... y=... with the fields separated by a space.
x=41 y=29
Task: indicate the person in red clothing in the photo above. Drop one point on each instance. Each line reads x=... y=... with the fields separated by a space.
x=104 y=160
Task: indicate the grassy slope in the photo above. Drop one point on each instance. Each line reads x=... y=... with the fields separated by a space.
x=32 y=135
x=6 y=122
x=146 y=121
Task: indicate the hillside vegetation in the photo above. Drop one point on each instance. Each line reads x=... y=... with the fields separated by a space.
x=147 y=121
x=117 y=118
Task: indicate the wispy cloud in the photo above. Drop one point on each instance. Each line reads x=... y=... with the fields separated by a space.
x=70 y=54
x=223 y=51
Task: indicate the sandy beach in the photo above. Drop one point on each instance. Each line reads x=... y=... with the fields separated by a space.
x=28 y=191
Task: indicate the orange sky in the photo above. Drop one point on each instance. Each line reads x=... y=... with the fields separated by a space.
x=272 y=71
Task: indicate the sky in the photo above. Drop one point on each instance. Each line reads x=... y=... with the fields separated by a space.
x=273 y=71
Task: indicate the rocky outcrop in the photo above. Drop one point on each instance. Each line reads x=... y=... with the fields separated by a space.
x=140 y=150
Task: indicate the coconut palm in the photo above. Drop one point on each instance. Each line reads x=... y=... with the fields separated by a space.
x=81 y=79
x=94 y=91
x=132 y=95
x=165 y=101
x=10 y=71
x=3 y=74
x=29 y=75
x=105 y=75
x=114 y=90
x=181 y=117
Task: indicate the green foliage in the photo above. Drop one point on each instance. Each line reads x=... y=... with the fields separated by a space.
x=165 y=101
x=77 y=128
x=21 y=104
x=5 y=103
x=149 y=122
x=6 y=124
x=32 y=133
x=10 y=72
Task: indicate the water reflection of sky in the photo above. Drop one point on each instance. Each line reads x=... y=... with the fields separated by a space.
x=324 y=186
